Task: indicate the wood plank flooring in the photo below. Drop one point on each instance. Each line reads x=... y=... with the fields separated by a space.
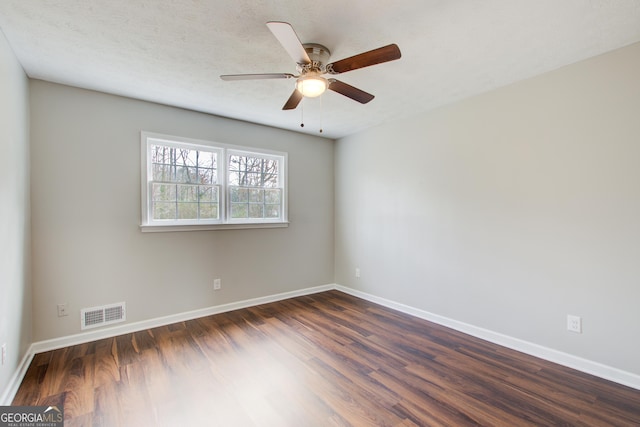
x=328 y=359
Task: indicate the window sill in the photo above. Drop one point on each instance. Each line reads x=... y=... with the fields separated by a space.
x=208 y=227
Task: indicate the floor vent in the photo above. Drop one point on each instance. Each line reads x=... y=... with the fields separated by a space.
x=104 y=315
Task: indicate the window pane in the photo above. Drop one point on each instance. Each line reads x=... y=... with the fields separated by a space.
x=234 y=163
x=234 y=178
x=187 y=193
x=185 y=157
x=272 y=211
x=181 y=174
x=160 y=154
x=239 y=210
x=187 y=175
x=256 y=211
x=272 y=196
x=192 y=175
x=206 y=160
x=208 y=211
x=256 y=195
x=271 y=166
x=253 y=164
x=162 y=173
x=191 y=158
x=164 y=192
x=206 y=176
x=242 y=179
x=208 y=194
x=239 y=194
x=164 y=210
x=270 y=180
x=252 y=179
x=187 y=210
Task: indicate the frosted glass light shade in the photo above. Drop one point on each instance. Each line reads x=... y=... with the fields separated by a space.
x=311 y=86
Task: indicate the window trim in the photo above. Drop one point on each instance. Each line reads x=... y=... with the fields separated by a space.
x=223 y=151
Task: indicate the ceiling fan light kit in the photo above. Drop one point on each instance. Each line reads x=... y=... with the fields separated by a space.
x=312 y=63
x=311 y=86
x=311 y=83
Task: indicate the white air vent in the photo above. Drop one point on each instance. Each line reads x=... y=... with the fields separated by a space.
x=104 y=315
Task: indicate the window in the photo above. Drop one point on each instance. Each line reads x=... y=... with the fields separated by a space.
x=253 y=182
x=183 y=182
x=189 y=184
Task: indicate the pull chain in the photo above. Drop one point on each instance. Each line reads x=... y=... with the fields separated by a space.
x=302 y=113
x=321 y=111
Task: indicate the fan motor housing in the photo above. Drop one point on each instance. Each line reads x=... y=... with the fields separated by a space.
x=319 y=56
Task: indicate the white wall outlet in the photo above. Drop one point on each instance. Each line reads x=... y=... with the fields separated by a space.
x=357 y=272
x=217 y=284
x=574 y=324
x=4 y=353
x=63 y=310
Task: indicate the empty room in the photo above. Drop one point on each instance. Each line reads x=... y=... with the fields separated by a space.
x=298 y=213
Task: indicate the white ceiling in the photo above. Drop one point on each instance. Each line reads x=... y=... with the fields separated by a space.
x=173 y=51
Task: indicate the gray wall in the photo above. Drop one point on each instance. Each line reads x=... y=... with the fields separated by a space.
x=88 y=249
x=508 y=211
x=15 y=287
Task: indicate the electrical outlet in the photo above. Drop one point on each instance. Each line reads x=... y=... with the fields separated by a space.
x=217 y=284
x=357 y=273
x=4 y=353
x=574 y=324
x=63 y=310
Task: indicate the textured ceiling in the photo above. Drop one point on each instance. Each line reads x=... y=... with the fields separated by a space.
x=173 y=51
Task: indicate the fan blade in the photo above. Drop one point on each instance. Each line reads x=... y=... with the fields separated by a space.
x=350 y=91
x=372 y=57
x=293 y=100
x=230 y=77
x=289 y=40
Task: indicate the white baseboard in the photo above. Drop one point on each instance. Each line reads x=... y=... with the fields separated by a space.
x=590 y=367
x=594 y=368
x=127 y=328
x=93 y=335
x=14 y=383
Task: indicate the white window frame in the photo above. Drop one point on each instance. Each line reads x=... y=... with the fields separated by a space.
x=223 y=152
x=264 y=155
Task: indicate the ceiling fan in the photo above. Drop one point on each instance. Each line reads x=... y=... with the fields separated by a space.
x=312 y=65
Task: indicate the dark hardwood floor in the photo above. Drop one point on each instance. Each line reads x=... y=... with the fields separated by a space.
x=328 y=359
